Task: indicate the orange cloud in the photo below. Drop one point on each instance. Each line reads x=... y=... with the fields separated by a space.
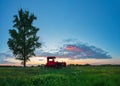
x=73 y=48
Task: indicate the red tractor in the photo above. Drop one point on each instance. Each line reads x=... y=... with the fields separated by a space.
x=51 y=63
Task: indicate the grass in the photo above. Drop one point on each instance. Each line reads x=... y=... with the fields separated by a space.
x=69 y=76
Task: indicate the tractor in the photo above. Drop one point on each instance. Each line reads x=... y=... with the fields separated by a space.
x=51 y=63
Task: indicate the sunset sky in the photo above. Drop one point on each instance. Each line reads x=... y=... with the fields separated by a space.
x=75 y=31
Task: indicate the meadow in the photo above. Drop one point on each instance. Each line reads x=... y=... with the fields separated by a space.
x=69 y=76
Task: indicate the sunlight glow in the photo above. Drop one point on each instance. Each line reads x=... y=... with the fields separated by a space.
x=42 y=60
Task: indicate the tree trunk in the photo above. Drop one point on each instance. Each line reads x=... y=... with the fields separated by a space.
x=24 y=50
x=24 y=62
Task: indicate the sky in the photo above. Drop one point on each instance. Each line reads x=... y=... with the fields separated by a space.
x=75 y=31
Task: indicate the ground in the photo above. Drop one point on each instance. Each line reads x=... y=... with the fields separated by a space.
x=69 y=76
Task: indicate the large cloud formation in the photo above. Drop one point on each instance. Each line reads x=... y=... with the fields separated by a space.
x=69 y=48
x=78 y=50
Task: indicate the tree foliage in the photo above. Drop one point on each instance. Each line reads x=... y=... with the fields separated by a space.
x=24 y=39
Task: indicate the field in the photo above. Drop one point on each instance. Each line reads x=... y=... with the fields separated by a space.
x=69 y=76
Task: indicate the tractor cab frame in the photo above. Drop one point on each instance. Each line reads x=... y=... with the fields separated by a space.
x=51 y=62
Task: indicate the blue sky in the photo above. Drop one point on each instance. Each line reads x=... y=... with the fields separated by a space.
x=93 y=22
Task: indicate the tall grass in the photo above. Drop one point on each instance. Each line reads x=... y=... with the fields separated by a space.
x=69 y=76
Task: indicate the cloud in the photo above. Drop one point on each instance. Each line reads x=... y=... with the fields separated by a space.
x=73 y=49
x=70 y=49
x=4 y=57
x=78 y=51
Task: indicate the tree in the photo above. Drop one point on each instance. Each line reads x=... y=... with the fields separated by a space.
x=24 y=39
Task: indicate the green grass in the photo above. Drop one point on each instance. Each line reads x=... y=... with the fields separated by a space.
x=69 y=76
